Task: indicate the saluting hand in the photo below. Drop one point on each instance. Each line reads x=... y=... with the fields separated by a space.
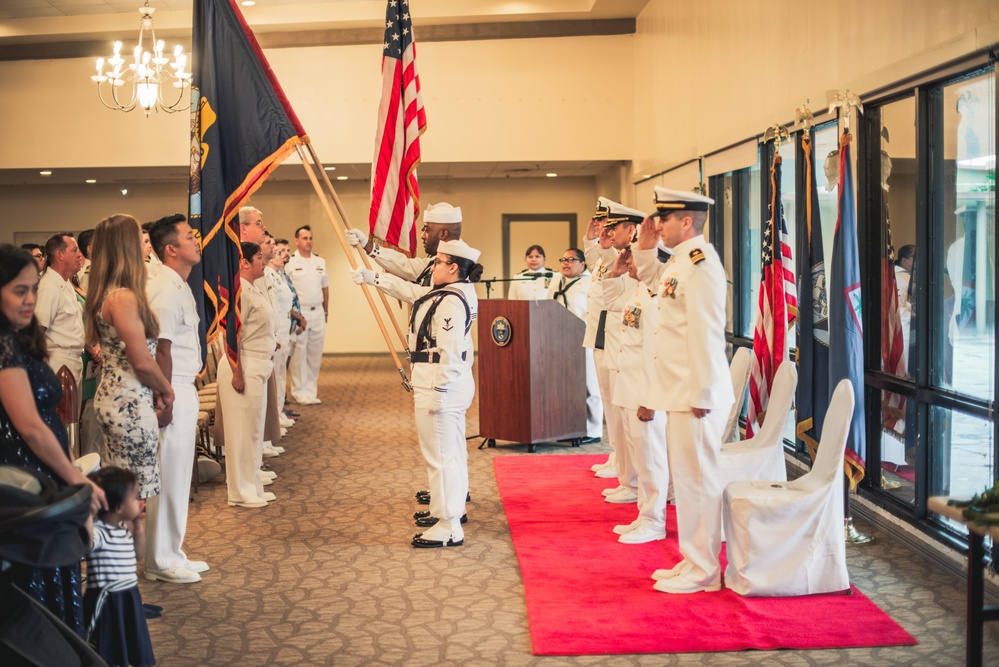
x=593 y=230
x=620 y=266
x=648 y=237
x=606 y=240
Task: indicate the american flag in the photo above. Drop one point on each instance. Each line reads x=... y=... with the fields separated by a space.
x=395 y=193
x=778 y=307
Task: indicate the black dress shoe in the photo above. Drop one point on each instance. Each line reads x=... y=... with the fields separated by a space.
x=588 y=441
x=152 y=607
x=421 y=543
x=423 y=497
x=421 y=515
x=427 y=521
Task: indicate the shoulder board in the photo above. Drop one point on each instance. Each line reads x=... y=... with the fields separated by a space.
x=696 y=256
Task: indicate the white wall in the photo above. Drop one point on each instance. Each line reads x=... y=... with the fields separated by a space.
x=710 y=74
x=526 y=99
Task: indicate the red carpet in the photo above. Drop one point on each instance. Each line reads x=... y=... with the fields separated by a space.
x=587 y=594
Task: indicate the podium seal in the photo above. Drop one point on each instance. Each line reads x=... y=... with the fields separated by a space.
x=501 y=331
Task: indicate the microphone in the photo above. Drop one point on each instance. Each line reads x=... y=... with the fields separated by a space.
x=547 y=273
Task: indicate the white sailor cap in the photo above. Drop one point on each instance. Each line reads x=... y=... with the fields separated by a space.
x=603 y=208
x=617 y=213
x=442 y=214
x=667 y=201
x=459 y=248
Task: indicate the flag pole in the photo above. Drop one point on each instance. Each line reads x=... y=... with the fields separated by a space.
x=346 y=224
x=353 y=266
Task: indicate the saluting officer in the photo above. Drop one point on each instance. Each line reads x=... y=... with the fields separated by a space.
x=691 y=380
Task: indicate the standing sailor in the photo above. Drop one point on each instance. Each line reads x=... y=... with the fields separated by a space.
x=312 y=282
x=440 y=337
x=691 y=381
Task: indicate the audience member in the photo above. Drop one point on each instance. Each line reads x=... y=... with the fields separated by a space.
x=533 y=282
x=31 y=434
x=132 y=386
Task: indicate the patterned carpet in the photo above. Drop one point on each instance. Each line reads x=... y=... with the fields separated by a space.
x=326 y=576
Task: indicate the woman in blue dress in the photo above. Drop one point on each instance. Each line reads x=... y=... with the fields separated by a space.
x=31 y=434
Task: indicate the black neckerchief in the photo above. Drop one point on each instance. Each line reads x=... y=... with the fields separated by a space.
x=562 y=290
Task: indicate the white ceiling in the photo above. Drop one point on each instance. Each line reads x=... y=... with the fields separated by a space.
x=31 y=20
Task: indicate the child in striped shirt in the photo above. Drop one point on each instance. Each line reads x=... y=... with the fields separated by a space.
x=112 y=605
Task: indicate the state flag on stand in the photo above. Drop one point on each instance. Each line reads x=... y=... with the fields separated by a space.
x=846 y=347
x=395 y=191
x=242 y=127
x=812 y=397
x=778 y=305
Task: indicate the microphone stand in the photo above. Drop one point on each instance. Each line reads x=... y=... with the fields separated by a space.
x=488 y=282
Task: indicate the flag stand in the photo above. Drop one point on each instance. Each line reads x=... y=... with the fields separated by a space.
x=850 y=533
x=353 y=264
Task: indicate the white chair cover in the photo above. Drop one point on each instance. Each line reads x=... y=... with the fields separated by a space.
x=787 y=538
x=762 y=456
x=739 y=368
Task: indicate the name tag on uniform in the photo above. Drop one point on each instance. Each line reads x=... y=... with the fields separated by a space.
x=633 y=317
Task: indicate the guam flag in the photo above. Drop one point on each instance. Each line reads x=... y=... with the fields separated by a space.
x=242 y=127
x=812 y=397
x=846 y=345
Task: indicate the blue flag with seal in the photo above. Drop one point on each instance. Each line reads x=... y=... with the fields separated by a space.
x=846 y=348
x=812 y=397
x=242 y=128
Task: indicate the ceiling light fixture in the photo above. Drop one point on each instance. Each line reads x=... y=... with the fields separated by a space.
x=329 y=168
x=342 y=178
x=91 y=181
x=147 y=74
x=551 y=174
x=124 y=191
x=248 y=3
x=45 y=173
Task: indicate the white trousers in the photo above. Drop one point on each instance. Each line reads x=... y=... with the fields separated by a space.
x=74 y=362
x=694 y=453
x=442 y=442
x=604 y=389
x=307 y=356
x=594 y=403
x=281 y=356
x=647 y=445
x=166 y=514
x=617 y=432
x=243 y=425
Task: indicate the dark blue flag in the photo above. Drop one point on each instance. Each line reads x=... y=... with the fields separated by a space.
x=242 y=127
x=846 y=347
x=812 y=397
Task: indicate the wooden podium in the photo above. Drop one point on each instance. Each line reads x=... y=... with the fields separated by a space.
x=532 y=372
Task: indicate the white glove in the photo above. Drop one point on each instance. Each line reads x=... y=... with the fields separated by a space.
x=355 y=237
x=364 y=276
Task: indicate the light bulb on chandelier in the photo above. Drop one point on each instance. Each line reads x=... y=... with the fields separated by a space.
x=148 y=74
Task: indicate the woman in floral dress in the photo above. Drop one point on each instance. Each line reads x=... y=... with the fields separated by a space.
x=132 y=386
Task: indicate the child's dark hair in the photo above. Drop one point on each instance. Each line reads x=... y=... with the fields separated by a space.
x=116 y=482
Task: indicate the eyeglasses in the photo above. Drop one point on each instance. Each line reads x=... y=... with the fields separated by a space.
x=441 y=261
x=567 y=260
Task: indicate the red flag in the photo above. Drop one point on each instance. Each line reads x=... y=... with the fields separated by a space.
x=395 y=192
x=778 y=306
x=892 y=342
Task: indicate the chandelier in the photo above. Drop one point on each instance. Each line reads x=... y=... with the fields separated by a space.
x=147 y=75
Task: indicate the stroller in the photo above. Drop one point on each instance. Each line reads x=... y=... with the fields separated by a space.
x=41 y=525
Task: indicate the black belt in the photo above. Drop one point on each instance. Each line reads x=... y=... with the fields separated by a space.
x=428 y=357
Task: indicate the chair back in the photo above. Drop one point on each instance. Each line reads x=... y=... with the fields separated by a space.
x=68 y=409
x=779 y=406
x=828 y=466
x=739 y=369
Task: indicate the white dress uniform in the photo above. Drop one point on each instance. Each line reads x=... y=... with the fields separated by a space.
x=171 y=299
x=58 y=310
x=281 y=299
x=691 y=371
x=598 y=260
x=309 y=277
x=646 y=440
x=417 y=271
x=245 y=413
x=153 y=266
x=536 y=289
x=574 y=294
x=443 y=389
